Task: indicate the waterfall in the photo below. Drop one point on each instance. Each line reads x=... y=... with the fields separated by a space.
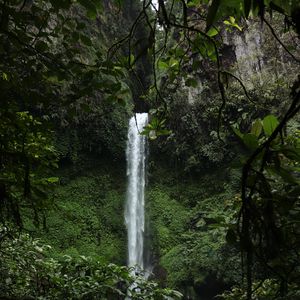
x=134 y=212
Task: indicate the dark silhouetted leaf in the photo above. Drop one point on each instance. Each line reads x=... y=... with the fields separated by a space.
x=247 y=7
x=212 y=12
x=284 y=174
x=250 y=140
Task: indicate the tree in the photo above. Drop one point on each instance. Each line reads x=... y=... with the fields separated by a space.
x=51 y=62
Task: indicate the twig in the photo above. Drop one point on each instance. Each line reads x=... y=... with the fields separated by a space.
x=280 y=42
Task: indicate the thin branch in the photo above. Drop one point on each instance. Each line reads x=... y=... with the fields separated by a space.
x=153 y=30
x=184 y=12
x=43 y=55
x=240 y=82
x=280 y=42
x=40 y=28
x=119 y=43
x=246 y=199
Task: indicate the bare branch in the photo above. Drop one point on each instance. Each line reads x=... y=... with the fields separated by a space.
x=280 y=42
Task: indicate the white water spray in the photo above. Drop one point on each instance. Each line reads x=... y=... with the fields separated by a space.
x=134 y=212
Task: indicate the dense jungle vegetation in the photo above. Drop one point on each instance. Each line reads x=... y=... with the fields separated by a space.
x=220 y=81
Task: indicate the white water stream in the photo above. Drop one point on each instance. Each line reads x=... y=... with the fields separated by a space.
x=134 y=212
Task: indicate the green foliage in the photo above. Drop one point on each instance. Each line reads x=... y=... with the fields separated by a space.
x=51 y=50
x=84 y=219
x=60 y=60
x=101 y=131
x=232 y=22
x=204 y=246
x=193 y=140
x=155 y=128
x=270 y=175
x=269 y=124
x=190 y=226
x=219 y=9
x=169 y=219
x=263 y=290
x=27 y=271
x=26 y=151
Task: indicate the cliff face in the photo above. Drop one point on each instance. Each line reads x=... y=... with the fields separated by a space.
x=263 y=71
x=259 y=54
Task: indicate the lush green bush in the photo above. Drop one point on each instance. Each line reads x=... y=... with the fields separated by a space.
x=190 y=218
x=263 y=290
x=27 y=272
x=168 y=217
x=85 y=218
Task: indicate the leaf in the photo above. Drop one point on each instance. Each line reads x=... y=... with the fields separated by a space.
x=247 y=7
x=173 y=63
x=232 y=23
x=291 y=153
x=212 y=32
x=232 y=20
x=212 y=12
x=270 y=122
x=52 y=179
x=163 y=132
x=193 y=3
x=162 y=65
x=131 y=59
x=250 y=140
x=284 y=174
x=237 y=27
x=176 y=294
x=237 y=132
x=179 y=52
x=4 y=76
x=256 y=127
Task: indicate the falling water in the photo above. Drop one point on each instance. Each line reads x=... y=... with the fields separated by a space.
x=134 y=212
